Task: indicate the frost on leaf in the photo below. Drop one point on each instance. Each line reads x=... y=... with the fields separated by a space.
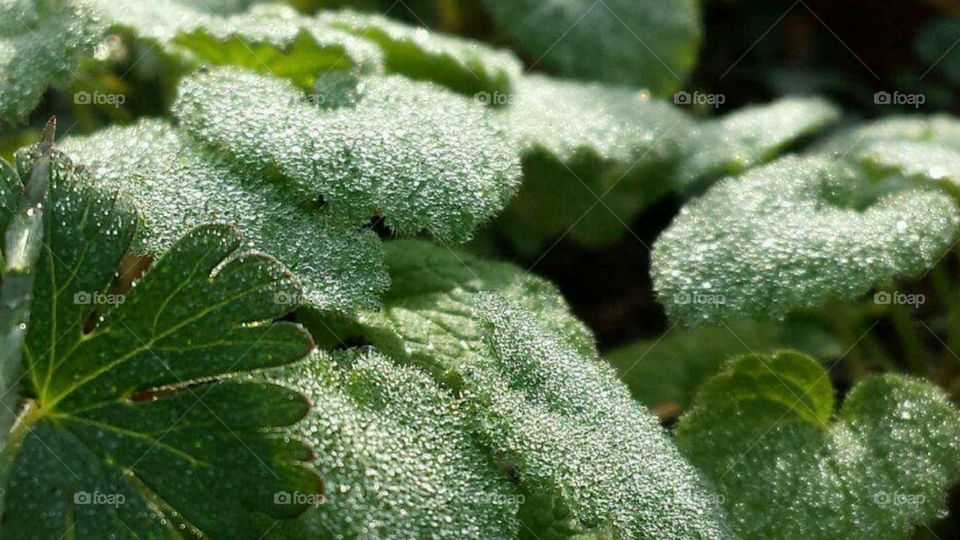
x=581 y=142
x=177 y=185
x=130 y=423
x=427 y=314
x=750 y=136
x=559 y=417
x=41 y=44
x=665 y=372
x=417 y=155
x=793 y=234
x=762 y=431
x=902 y=149
x=396 y=454
x=634 y=42
x=466 y=66
x=271 y=38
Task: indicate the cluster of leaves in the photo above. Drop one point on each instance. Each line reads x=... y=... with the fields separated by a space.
x=428 y=392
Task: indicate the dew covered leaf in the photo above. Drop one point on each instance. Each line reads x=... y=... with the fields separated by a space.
x=583 y=141
x=559 y=417
x=762 y=432
x=41 y=44
x=397 y=456
x=665 y=372
x=177 y=185
x=130 y=422
x=900 y=150
x=427 y=315
x=415 y=154
x=632 y=42
x=270 y=38
x=465 y=66
x=793 y=234
x=750 y=136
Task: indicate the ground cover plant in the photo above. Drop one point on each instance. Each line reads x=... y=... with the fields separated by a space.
x=478 y=269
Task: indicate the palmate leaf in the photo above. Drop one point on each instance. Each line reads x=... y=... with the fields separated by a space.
x=762 y=431
x=642 y=43
x=41 y=43
x=581 y=141
x=794 y=234
x=567 y=426
x=427 y=315
x=396 y=454
x=750 y=136
x=129 y=424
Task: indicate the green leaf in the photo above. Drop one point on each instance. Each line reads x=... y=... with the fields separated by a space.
x=465 y=66
x=567 y=425
x=397 y=456
x=419 y=156
x=791 y=235
x=751 y=136
x=41 y=44
x=761 y=431
x=177 y=186
x=581 y=142
x=427 y=314
x=641 y=43
x=23 y=223
x=900 y=150
x=269 y=38
x=664 y=373
x=130 y=422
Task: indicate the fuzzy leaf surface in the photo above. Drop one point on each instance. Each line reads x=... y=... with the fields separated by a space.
x=397 y=455
x=40 y=46
x=793 y=234
x=559 y=417
x=762 y=431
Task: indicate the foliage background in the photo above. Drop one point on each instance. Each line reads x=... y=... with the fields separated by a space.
x=754 y=51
